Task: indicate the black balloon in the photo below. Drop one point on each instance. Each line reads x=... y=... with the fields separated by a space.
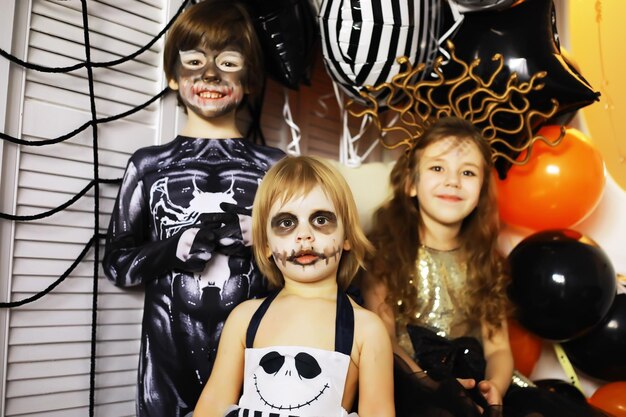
x=287 y=32
x=562 y=284
x=601 y=353
x=561 y=387
x=466 y=6
x=526 y=36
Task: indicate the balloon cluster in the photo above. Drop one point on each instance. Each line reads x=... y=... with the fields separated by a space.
x=514 y=44
x=564 y=288
x=515 y=79
x=562 y=284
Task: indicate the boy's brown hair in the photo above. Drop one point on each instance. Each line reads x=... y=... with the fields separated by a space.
x=218 y=24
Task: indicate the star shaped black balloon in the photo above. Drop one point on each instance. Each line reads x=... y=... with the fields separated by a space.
x=526 y=37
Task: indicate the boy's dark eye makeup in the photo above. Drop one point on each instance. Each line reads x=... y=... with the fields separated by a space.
x=228 y=60
x=192 y=59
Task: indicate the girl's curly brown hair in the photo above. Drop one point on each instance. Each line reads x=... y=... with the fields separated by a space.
x=396 y=234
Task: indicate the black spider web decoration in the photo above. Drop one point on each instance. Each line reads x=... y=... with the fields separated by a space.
x=96 y=181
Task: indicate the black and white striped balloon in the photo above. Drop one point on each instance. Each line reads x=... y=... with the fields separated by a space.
x=361 y=39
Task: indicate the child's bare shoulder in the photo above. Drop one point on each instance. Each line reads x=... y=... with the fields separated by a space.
x=367 y=322
x=245 y=310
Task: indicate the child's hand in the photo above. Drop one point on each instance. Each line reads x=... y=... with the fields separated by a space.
x=221 y=231
x=468 y=383
x=245 y=224
x=491 y=405
x=194 y=249
x=245 y=221
x=490 y=392
x=493 y=397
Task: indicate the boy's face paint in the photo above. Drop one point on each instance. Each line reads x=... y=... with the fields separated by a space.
x=449 y=180
x=306 y=237
x=211 y=82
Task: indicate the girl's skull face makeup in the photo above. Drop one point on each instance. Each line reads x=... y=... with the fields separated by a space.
x=306 y=237
x=211 y=82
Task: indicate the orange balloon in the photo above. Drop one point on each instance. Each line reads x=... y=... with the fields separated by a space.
x=611 y=398
x=526 y=347
x=557 y=188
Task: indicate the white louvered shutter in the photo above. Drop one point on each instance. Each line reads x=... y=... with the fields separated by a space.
x=48 y=352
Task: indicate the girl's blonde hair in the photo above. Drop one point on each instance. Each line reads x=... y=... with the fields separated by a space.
x=396 y=233
x=297 y=176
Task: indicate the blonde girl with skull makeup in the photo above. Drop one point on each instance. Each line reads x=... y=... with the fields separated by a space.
x=180 y=227
x=307 y=349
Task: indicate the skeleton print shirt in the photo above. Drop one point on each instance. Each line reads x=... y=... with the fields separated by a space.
x=297 y=380
x=207 y=184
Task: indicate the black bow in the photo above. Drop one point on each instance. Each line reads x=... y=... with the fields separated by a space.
x=460 y=358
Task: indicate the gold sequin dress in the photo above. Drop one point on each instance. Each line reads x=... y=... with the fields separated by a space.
x=440 y=283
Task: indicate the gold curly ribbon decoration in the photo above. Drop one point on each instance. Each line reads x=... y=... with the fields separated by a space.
x=465 y=95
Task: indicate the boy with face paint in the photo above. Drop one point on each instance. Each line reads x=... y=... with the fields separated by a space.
x=306 y=349
x=180 y=226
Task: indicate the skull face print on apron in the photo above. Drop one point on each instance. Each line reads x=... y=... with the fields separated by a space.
x=298 y=380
